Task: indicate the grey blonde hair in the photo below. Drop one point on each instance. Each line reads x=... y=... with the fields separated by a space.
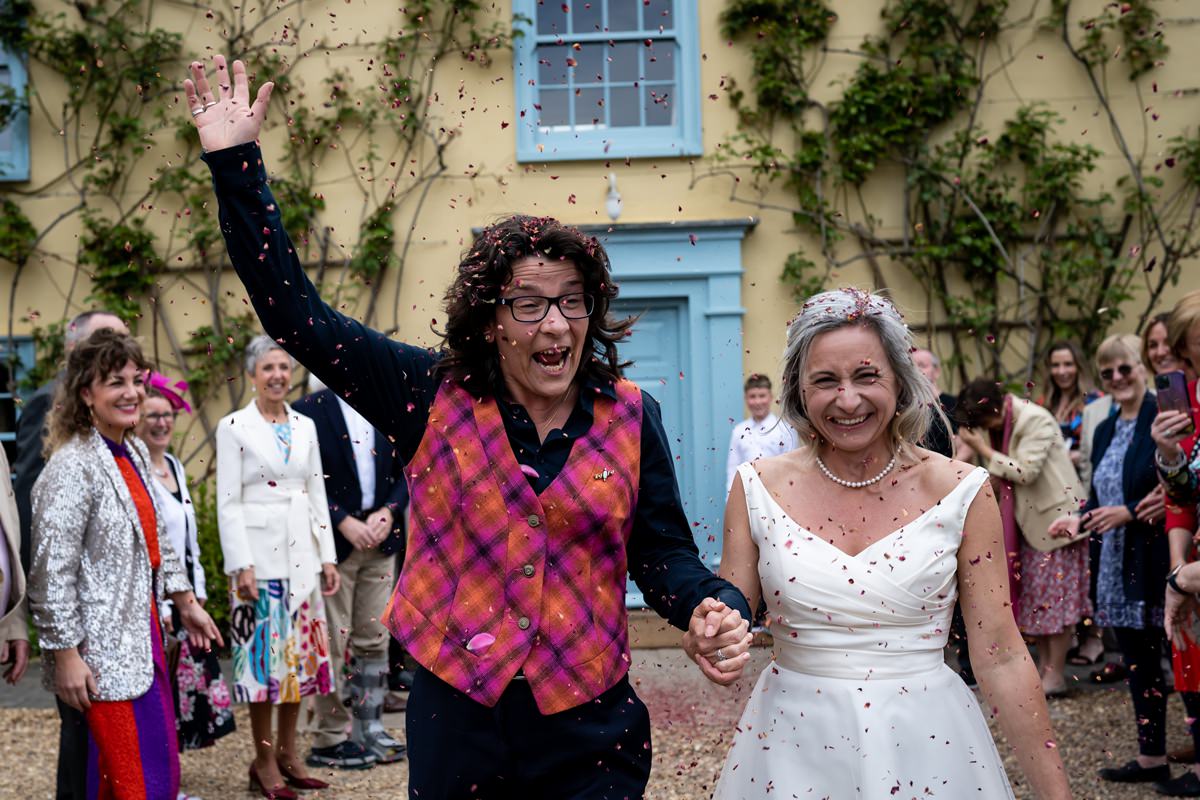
x=258 y=347
x=916 y=400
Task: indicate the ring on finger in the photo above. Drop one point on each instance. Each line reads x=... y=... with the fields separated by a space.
x=720 y=655
x=198 y=110
x=209 y=105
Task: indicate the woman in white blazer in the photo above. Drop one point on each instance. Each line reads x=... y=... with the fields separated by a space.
x=14 y=637
x=278 y=546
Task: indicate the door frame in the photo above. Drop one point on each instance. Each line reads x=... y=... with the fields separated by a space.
x=700 y=262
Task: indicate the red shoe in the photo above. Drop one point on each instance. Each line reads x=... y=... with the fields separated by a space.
x=274 y=793
x=301 y=783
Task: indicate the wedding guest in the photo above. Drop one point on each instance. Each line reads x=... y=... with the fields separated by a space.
x=760 y=435
x=203 y=713
x=367 y=494
x=1178 y=459
x=1134 y=557
x=101 y=565
x=14 y=635
x=1070 y=391
x=278 y=546
x=1021 y=446
x=539 y=478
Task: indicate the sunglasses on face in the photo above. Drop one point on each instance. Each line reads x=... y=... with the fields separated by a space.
x=1124 y=370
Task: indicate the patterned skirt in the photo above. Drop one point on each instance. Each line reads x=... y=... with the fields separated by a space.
x=203 y=707
x=1054 y=589
x=132 y=750
x=278 y=657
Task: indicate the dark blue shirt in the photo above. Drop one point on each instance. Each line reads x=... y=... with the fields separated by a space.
x=393 y=385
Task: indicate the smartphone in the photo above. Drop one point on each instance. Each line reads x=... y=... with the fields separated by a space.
x=1173 y=396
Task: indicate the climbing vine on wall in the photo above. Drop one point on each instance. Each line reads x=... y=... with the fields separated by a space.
x=129 y=186
x=1012 y=242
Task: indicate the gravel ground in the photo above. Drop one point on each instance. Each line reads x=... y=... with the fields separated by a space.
x=692 y=720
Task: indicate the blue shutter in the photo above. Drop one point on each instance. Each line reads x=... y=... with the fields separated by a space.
x=14 y=138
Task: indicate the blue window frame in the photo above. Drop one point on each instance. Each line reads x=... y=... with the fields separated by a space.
x=600 y=79
x=11 y=371
x=14 y=136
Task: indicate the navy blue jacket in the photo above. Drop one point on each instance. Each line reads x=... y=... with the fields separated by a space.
x=1147 y=557
x=341 y=473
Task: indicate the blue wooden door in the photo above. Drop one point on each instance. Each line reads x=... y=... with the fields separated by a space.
x=658 y=349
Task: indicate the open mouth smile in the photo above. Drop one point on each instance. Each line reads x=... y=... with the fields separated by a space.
x=554 y=359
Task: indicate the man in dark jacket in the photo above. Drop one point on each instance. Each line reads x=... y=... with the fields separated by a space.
x=364 y=481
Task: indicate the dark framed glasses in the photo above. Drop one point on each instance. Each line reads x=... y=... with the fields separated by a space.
x=534 y=308
x=1124 y=370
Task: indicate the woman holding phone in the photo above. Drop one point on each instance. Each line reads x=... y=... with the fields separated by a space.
x=1178 y=447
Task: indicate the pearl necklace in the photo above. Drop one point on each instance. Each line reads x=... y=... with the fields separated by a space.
x=856 y=484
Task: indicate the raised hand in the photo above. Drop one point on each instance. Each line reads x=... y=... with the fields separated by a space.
x=224 y=116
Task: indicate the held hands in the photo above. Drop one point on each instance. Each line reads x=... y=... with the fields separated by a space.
x=718 y=640
x=331 y=579
x=357 y=533
x=224 y=116
x=1167 y=431
x=73 y=681
x=380 y=524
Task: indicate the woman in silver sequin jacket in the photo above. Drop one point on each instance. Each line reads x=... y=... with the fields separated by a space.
x=93 y=592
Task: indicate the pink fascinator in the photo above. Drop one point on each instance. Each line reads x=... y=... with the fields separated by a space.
x=173 y=392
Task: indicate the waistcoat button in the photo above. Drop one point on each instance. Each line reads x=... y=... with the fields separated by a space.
x=523 y=623
x=528 y=570
x=533 y=520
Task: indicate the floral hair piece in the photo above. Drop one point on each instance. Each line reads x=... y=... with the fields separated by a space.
x=171 y=392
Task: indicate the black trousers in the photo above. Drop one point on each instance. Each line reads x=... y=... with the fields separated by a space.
x=72 y=754
x=1142 y=652
x=459 y=749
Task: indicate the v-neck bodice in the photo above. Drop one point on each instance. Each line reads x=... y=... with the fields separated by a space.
x=883 y=612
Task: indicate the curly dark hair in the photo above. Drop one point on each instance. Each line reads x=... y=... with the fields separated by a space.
x=482 y=274
x=979 y=400
x=98 y=356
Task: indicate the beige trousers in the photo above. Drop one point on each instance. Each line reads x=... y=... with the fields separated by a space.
x=354 y=616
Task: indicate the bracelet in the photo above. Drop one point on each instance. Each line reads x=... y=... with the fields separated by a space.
x=1173 y=583
x=1170 y=468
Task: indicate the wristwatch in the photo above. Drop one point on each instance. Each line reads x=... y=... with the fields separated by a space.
x=1173 y=583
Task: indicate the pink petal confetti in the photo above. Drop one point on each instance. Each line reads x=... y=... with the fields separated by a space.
x=480 y=641
x=531 y=472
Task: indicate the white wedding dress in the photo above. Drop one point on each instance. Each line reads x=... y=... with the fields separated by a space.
x=858 y=702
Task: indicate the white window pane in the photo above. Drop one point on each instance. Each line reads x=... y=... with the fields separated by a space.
x=586 y=17
x=552 y=64
x=660 y=61
x=659 y=104
x=623 y=111
x=589 y=107
x=658 y=14
x=625 y=58
x=623 y=15
x=590 y=63
x=555 y=108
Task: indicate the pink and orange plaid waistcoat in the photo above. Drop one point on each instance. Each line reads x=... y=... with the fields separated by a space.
x=498 y=578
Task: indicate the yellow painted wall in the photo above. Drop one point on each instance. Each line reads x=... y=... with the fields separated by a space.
x=484 y=180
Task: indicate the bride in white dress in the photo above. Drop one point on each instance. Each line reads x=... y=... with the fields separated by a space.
x=860 y=544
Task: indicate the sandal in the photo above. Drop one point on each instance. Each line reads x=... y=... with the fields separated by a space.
x=1112 y=672
x=1076 y=658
